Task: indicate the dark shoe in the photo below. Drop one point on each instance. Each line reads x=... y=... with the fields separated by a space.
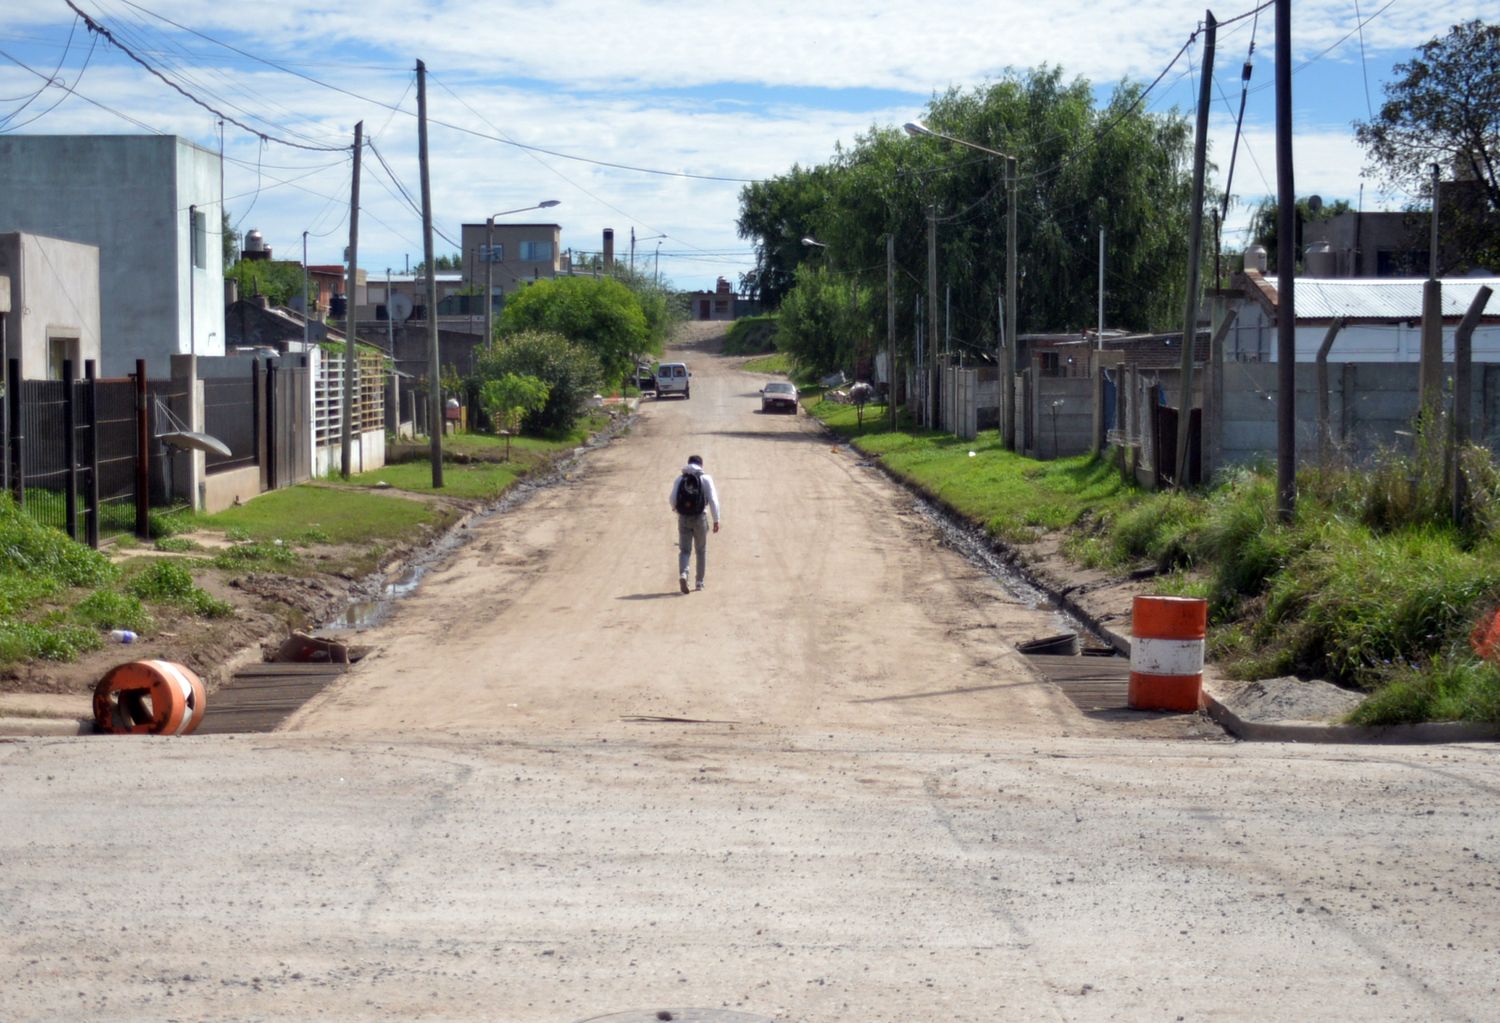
x=700 y=585
x=682 y=579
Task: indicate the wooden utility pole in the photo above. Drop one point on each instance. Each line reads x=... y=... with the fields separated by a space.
x=932 y=316
x=434 y=365
x=1008 y=370
x=1430 y=365
x=890 y=326
x=1195 y=253
x=1286 y=263
x=351 y=370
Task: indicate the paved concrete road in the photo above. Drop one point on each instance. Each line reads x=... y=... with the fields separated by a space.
x=885 y=817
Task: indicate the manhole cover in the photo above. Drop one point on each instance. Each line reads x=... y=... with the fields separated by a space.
x=680 y=1016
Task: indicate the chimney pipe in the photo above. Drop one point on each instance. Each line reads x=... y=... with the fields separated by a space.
x=609 y=248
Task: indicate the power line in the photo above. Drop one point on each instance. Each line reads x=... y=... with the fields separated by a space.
x=99 y=29
x=431 y=120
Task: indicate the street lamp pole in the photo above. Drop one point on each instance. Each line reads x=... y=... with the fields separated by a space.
x=489 y=264
x=1007 y=351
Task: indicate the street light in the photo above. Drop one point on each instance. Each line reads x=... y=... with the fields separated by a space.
x=1007 y=350
x=633 y=240
x=489 y=264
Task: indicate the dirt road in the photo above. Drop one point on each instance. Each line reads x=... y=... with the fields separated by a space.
x=830 y=602
x=866 y=812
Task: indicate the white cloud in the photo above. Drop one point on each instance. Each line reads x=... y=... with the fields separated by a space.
x=707 y=88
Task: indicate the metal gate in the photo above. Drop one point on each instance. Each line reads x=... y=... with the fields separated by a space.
x=74 y=453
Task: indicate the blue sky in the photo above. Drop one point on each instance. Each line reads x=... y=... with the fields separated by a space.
x=710 y=89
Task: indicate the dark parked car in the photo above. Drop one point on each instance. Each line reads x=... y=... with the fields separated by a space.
x=779 y=396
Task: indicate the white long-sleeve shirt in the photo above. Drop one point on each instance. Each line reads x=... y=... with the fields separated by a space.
x=710 y=492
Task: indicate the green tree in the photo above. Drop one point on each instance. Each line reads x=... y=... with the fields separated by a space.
x=1443 y=107
x=570 y=372
x=1081 y=167
x=510 y=399
x=445 y=264
x=598 y=313
x=278 y=280
x=823 y=321
x=776 y=214
x=229 y=238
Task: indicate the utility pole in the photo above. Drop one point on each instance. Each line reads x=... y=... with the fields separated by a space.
x=1430 y=366
x=434 y=366
x=932 y=315
x=890 y=327
x=1099 y=339
x=1463 y=357
x=1286 y=278
x=351 y=376
x=306 y=311
x=1195 y=253
x=1008 y=373
x=632 y=252
x=489 y=282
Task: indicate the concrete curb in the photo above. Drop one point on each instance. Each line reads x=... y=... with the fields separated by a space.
x=1212 y=705
x=43 y=727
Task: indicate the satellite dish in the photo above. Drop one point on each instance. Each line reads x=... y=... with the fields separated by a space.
x=399 y=307
x=190 y=440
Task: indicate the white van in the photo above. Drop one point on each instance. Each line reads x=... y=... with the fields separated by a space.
x=673 y=378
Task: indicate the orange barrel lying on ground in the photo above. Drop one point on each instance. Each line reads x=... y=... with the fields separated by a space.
x=149 y=698
x=1166 y=652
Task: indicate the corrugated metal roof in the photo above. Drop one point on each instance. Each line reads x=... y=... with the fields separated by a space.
x=1384 y=298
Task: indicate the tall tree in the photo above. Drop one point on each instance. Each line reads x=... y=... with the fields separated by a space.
x=599 y=314
x=1082 y=167
x=1443 y=107
x=777 y=214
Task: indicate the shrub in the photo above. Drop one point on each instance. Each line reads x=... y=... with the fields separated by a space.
x=110 y=609
x=571 y=373
x=25 y=641
x=1451 y=689
x=1352 y=604
x=169 y=582
x=29 y=548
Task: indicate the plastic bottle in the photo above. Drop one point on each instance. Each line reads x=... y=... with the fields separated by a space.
x=121 y=636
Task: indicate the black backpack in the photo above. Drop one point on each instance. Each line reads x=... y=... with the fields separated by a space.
x=690 y=495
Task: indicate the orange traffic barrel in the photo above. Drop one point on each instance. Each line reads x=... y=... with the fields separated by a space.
x=1166 y=652
x=149 y=698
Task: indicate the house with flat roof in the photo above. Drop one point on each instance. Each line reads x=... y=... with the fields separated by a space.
x=55 y=317
x=151 y=206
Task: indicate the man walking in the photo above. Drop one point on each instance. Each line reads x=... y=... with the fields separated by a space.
x=693 y=497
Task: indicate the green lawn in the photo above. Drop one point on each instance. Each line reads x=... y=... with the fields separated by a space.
x=312 y=513
x=473 y=480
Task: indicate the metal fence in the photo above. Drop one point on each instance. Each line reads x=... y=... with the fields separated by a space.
x=73 y=453
x=231 y=412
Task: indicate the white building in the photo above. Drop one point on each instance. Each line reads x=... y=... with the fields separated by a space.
x=55 y=311
x=1384 y=318
x=151 y=204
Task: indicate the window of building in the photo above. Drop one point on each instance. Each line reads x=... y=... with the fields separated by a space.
x=198 y=230
x=536 y=252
